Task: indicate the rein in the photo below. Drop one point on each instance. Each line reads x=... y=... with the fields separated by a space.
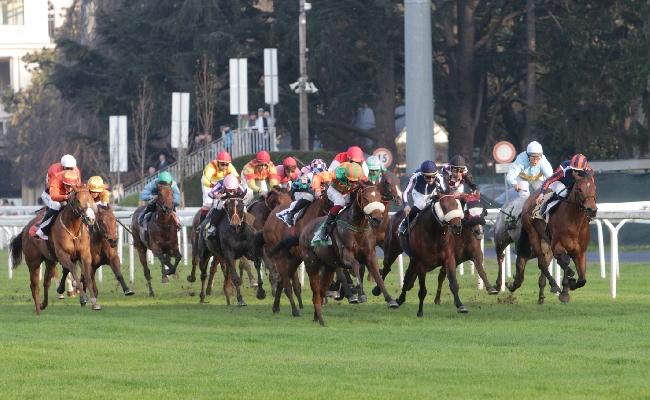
x=235 y=212
x=352 y=227
x=81 y=231
x=104 y=234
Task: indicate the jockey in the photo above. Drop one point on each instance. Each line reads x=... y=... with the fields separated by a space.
x=345 y=178
x=98 y=190
x=563 y=178
x=425 y=184
x=150 y=192
x=354 y=154
x=529 y=170
x=67 y=163
x=58 y=190
x=457 y=174
x=228 y=187
x=288 y=172
x=375 y=169
x=257 y=171
x=303 y=191
x=215 y=171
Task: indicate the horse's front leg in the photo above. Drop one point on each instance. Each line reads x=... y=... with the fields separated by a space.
x=409 y=280
x=373 y=270
x=345 y=288
x=450 y=266
x=66 y=262
x=50 y=269
x=203 y=265
x=442 y=275
x=164 y=267
x=422 y=293
x=115 y=266
x=581 y=266
x=87 y=271
x=232 y=270
x=244 y=265
x=477 y=259
x=177 y=256
x=563 y=260
x=213 y=270
x=356 y=269
x=257 y=262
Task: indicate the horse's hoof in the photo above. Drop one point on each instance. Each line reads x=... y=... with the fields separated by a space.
x=71 y=293
x=295 y=313
x=325 y=301
x=337 y=296
x=253 y=283
x=165 y=279
x=420 y=314
x=393 y=304
x=540 y=301
x=329 y=294
x=555 y=290
x=399 y=302
x=96 y=307
x=41 y=306
x=83 y=300
x=191 y=278
x=276 y=310
x=376 y=291
x=60 y=289
x=436 y=302
x=241 y=303
x=128 y=292
x=565 y=297
x=208 y=291
x=492 y=290
x=353 y=300
x=462 y=310
x=151 y=294
x=363 y=299
x=61 y=296
x=261 y=295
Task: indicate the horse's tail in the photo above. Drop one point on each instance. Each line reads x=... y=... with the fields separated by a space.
x=16 y=249
x=285 y=245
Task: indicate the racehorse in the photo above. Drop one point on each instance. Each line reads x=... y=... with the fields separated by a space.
x=233 y=240
x=103 y=249
x=273 y=233
x=430 y=244
x=69 y=243
x=567 y=236
x=468 y=247
x=163 y=240
x=353 y=242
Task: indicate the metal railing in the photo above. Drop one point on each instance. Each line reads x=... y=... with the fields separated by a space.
x=241 y=143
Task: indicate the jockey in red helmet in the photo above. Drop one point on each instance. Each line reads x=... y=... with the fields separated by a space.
x=215 y=171
x=288 y=172
x=563 y=178
x=355 y=155
x=258 y=171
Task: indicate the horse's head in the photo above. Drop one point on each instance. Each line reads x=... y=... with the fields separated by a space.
x=390 y=188
x=82 y=204
x=449 y=212
x=584 y=193
x=475 y=216
x=106 y=225
x=236 y=212
x=165 y=199
x=278 y=196
x=368 y=199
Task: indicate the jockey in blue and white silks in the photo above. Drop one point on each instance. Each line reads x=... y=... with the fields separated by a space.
x=529 y=171
x=424 y=184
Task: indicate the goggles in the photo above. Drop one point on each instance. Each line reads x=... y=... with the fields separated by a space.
x=534 y=158
x=223 y=164
x=429 y=176
x=581 y=172
x=458 y=169
x=262 y=165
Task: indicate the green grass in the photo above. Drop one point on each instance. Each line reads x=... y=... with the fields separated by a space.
x=171 y=346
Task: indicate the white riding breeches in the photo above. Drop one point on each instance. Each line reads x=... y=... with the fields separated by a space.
x=337 y=197
x=207 y=200
x=526 y=187
x=47 y=200
x=559 y=188
x=420 y=200
x=303 y=195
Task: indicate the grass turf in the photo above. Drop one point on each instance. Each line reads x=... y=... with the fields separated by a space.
x=171 y=346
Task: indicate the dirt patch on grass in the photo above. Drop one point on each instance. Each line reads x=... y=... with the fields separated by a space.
x=509 y=299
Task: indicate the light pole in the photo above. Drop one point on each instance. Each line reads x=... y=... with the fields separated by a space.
x=302 y=37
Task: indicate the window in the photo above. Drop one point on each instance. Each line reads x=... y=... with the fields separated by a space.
x=5 y=75
x=12 y=12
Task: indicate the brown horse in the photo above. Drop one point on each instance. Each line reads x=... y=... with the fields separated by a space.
x=233 y=240
x=468 y=248
x=273 y=233
x=69 y=243
x=431 y=244
x=569 y=231
x=103 y=248
x=163 y=240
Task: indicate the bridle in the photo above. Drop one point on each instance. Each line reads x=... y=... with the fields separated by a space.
x=226 y=205
x=79 y=213
x=447 y=217
x=162 y=207
x=581 y=200
x=111 y=242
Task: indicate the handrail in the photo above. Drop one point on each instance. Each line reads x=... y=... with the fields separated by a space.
x=243 y=142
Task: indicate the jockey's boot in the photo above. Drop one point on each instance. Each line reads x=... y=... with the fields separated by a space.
x=290 y=215
x=214 y=223
x=46 y=223
x=151 y=207
x=542 y=208
x=324 y=233
x=406 y=222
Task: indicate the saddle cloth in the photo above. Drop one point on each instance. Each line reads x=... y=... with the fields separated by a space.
x=536 y=211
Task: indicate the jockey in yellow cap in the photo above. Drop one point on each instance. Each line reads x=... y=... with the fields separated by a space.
x=98 y=190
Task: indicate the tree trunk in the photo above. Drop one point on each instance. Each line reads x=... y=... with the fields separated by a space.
x=385 y=106
x=461 y=115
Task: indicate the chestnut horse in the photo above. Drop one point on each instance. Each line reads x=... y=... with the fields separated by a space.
x=233 y=240
x=69 y=242
x=103 y=248
x=163 y=240
x=431 y=244
x=569 y=231
x=272 y=234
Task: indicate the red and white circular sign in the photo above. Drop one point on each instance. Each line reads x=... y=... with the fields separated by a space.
x=504 y=152
x=384 y=155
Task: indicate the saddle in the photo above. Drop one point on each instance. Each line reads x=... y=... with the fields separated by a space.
x=536 y=214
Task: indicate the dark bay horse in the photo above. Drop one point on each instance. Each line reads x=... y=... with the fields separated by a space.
x=569 y=231
x=69 y=243
x=103 y=248
x=163 y=240
x=234 y=239
x=273 y=233
x=353 y=242
x=431 y=244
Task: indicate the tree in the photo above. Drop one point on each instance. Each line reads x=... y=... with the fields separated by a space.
x=141 y=116
x=205 y=96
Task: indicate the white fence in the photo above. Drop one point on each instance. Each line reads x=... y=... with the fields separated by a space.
x=241 y=143
x=613 y=215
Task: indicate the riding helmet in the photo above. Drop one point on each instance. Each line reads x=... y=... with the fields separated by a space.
x=224 y=157
x=355 y=154
x=318 y=163
x=579 y=162
x=70 y=177
x=290 y=162
x=263 y=157
x=96 y=184
x=231 y=182
x=165 y=177
x=373 y=163
x=353 y=172
x=428 y=167
x=534 y=149
x=458 y=162
x=67 y=161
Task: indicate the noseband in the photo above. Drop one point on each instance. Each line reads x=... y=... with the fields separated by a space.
x=80 y=213
x=581 y=200
x=112 y=242
x=445 y=218
x=226 y=206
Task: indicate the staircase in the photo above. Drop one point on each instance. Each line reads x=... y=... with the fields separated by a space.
x=243 y=142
